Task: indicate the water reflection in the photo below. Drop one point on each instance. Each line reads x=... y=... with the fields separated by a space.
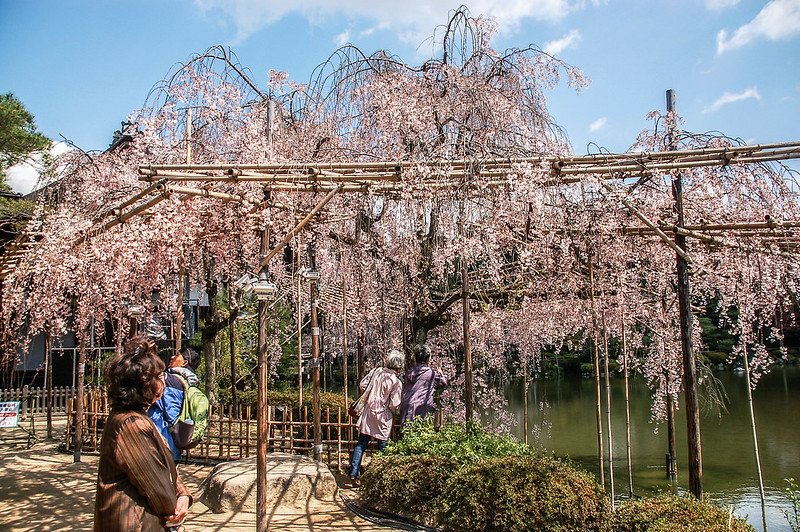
x=561 y=419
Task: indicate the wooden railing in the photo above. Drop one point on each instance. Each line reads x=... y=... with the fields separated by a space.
x=233 y=435
x=33 y=401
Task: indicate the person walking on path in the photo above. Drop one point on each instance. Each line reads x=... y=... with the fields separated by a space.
x=419 y=384
x=382 y=387
x=138 y=486
x=166 y=410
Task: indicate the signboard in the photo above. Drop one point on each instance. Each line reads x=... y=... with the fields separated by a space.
x=9 y=414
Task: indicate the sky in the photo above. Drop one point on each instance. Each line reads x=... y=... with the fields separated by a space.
x=81 y=67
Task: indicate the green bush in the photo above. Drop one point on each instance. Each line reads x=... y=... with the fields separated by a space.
x=462 y=443
x=670 y=513
x=522 y=493
x=284 y=398
x=406 y=485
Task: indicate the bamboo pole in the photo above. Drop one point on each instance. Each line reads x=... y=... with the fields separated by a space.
x=76 y=455
x=468 y=394
x=232 y=344
x=299 y=340
x=179 y=311
x=625 y=371
x=262 y=516
x=48 y=377
x=324 y=201
x=315 y=331
x=608 y=411
x=596 y=367
x=755 y=438
x=344 y=339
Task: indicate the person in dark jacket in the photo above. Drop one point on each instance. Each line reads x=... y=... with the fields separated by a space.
x=166 y=410
x=138 y=486
x=419 y=383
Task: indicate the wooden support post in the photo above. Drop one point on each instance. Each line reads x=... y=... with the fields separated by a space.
x=695 y=459
x=262 y=517
x=76 y=455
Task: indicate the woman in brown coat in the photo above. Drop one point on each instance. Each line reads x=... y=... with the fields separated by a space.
x=138 y=487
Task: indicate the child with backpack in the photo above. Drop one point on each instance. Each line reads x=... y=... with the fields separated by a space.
x=181 y=414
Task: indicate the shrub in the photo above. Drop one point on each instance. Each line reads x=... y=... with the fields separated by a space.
x=669 y=513
x=284 y=398
x=522 y=493
x=461 y=443
x=406 y=485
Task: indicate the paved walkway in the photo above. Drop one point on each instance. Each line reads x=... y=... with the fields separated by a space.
x=42 y=489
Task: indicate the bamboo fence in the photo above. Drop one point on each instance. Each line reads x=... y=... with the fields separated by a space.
x=232 y=435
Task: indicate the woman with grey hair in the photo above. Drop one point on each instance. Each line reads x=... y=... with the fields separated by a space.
x=381 y=388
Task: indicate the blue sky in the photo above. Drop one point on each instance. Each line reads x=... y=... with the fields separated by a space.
x=82 y=66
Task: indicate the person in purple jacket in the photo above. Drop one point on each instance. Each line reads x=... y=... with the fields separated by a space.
x=420 y=382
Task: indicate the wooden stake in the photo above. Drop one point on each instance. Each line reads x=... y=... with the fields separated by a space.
x=608 y=411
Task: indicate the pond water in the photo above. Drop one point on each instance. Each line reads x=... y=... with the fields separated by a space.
x=561 y=419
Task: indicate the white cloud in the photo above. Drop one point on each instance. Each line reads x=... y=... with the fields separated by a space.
x=779 y=19
x=719 y=5
x=567 y=41
x=412 y=20
x=24 y=177
x=343 y=38
x=728 y=98
x=598 y=124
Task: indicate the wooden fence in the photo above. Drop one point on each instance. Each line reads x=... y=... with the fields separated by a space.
x=233 y=435
x=33 y=401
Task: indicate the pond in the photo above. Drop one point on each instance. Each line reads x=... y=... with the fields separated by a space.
x=561 y=419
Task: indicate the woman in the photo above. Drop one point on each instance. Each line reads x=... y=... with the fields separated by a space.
x=383 y=397
x=420 y=382
x=138 y=487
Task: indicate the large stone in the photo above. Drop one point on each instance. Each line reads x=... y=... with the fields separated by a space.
x=292 y=480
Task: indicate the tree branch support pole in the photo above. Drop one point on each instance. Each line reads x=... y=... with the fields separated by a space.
x=695 y=460
x=80 y=396
x=315 y=406
x=596 y=367
x=262 y=517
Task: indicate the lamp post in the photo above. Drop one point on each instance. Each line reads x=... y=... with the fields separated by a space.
x=265 y=292
x=134 y=312
x=313 y=277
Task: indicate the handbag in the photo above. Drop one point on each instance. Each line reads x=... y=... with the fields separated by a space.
x=356 y=408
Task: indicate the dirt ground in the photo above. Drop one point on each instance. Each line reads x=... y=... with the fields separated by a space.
x=42 y=489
